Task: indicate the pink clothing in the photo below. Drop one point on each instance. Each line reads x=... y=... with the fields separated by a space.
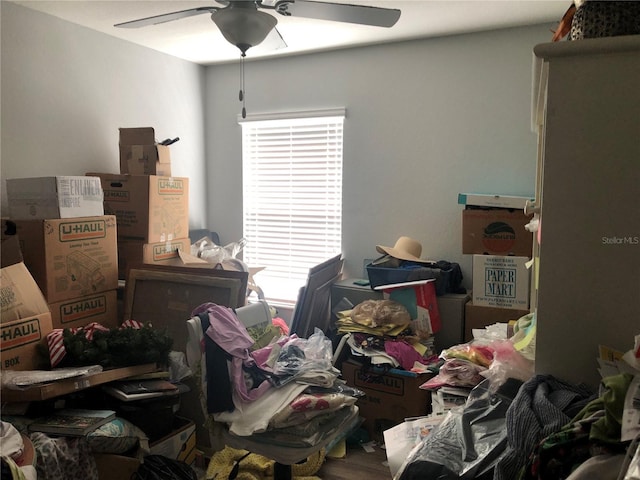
x=404 y=353
x=231 y=335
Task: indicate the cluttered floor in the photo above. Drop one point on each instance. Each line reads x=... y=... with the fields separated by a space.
x=368 y=460
x=359 y=461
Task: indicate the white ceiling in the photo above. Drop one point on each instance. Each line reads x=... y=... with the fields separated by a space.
x=197 y=39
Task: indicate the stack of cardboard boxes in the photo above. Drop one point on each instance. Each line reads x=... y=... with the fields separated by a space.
x=151 y=207
x=69 y=246
x=76 y=235
x=493 y=231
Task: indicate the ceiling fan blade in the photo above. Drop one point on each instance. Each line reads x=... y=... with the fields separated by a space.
x=339 y=12
x=273 y=41
x=166 y=17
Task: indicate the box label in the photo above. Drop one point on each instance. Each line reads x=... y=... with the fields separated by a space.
x=74 y=231
x=166 y=251
x=170 y=186
x=85 y=187
x=498 y=237
x=83 y=309
x=379 y=383
x=497 y=231
x=20 y=333
x=500 y=281
x=116 y=196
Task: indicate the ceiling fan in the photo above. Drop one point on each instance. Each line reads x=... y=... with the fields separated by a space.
x=245 y=25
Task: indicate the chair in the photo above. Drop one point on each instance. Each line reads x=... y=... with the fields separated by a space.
x=283 y=456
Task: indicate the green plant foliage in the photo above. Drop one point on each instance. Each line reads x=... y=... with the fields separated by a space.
x=117 y=347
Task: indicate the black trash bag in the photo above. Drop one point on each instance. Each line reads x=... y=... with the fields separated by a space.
x=159 y=467
x=468 y=442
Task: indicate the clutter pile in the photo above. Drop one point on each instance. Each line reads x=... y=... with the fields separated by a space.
x=514 y=424
x=398 y=330
x=284 y=401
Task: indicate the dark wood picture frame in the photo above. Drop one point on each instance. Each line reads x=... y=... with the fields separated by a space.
x=165 y=296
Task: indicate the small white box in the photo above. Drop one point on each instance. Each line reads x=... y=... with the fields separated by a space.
x=43 y=198
x=180 y=444
x=494 y=201
x=501 y=281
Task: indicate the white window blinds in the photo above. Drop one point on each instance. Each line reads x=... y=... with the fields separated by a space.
x=292 y=194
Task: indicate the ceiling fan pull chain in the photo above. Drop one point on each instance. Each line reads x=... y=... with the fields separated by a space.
x=242 y=95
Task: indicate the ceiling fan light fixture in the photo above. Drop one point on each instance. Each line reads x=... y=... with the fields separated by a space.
x=244 y=27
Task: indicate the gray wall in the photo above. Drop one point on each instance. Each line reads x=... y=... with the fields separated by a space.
x=66 y=90
x=425 y=120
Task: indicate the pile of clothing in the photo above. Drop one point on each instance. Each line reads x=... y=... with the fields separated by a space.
x=382 y=333
x=284 y=401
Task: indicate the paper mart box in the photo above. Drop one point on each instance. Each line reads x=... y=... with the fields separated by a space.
x=70 y=258
x=54 y=197
x=390 y=396
x=141 y=155
x=496 y=231
x=25 y=320
x=500 y=281
x=147 y=207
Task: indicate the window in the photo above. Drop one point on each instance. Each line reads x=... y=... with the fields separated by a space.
x=292 y=194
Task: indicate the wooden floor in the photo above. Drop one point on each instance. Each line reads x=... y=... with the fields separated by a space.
x=357 y=464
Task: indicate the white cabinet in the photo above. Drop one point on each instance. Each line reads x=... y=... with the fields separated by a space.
x=587 y=268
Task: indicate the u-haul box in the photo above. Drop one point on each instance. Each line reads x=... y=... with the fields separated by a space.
x=25 y=320
x=71 y=258
x=77 y=312
x=148 y=207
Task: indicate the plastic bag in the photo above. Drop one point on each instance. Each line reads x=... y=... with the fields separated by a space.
x=508 y=363
x=468 y=442
x=456 y=372
x=206 y=249
x=374 y=313
x=474 y=352
x=301 y=355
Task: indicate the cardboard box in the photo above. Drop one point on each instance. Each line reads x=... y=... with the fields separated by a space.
x=496 y=201
x=78 y=312
x=496 y=231
x=141 y=155
x=476 y=316
x=54 y=197
x=71 y=258
x=148 y=207
x=115 y=467
x=25 y=319
x=133 y=252
x=180 y=444
x=10 y=252
x=390 y=396
x=500 y=281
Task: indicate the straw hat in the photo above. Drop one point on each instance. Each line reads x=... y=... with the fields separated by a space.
x=406 y=248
